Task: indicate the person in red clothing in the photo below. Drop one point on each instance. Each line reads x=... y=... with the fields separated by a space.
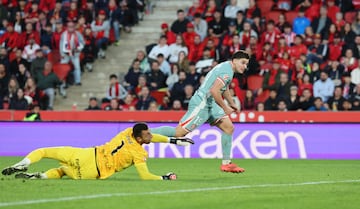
x=210 y=11
x=55 y=40
x=228 y=37
x=196 y=49
x=298 y=49
x=171 y=36
x=195 y=8
x=281 y=47
x=73 y=14
x=253 y=10
x=235 y=44
x=305 y=83
x=332 y=10
x=309 y=34
x=339 y=22
x=271 y=35
x=285 y=62
x=312 y=9
x=298 y=71
x=349 y=61
x=335 y=48
x=47 y=5
x=101 y=31
x=10 y=39
x=29 y=32
x=266 y=54
x=32 y=16
x=189 y=35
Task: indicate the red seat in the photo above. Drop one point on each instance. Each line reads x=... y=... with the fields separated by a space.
x=241 y=96
x=290 y=16
x=54 y=57
x=262 y=97
x=255 y=82
x=356 y=4
x=273 y=15
x=158 y=95
x=350 y=16
x=61 y=70
x=265 y=6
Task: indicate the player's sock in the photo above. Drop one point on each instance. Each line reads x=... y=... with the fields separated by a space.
x=55 y=173
x=36 y=155
x=226 y=142
x=24 y=162
x=164 y=130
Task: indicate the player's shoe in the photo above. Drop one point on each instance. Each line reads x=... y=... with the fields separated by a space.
x=36 y=175
x=13 y=169
x=232 y=168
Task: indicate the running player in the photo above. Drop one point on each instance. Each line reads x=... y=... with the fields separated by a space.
x=99 y=162
x=207 y=105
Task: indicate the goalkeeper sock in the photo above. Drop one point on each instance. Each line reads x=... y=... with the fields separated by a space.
x=226 y=142
x=164 y=130
x=24 y=162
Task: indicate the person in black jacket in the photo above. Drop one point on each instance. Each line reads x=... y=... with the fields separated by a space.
x=93 y=104
x=132 y=76
x=179 y=25
x=321 y=24
x=19 y=102
x=144 y=99
x=156 y=77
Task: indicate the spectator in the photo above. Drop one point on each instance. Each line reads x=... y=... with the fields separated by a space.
x=183 y=61
x=246 y=34
x=93 y=104
x=19 y=23
x=18 y=102
x=210 y=10
x=195 y=8
x=132 y=76
x=37 y=65
x=306 y=100
x=348 y=35
x=271 y=76
x=347 y=106
x=288 y=34
x=31 y=90
x=179 y=25
x=71 y=45
x=173 y=77
x=305 y=84
x=155 y=77
x=282 y=106
x=34 y=114
x=192 y=76
x=339 y=21
x=28 y=34
x=335 y=48
x=30 y=49
x=217 y=27
x=114 y=105
x=160 y=48
x=196 y=49
x=249 y=101
x=177 y=92
x=142 y=81
x=47 y=81
x=4 y=59
x=144 y=99
x=90 y=49
x=293 y=102
x=101 y=31
x=165 y=105
x=347 y=86
x=200 y=26
x=55 y=41
x=153 y=107
x=10 y=39
x=188 y=93
x=335 y=102
x=129 y=103
x=231 y=10
x=22 y=75
x=229 y=35
x=176 y=48
x=116 y=18
x=301 y=22
x=335 y=71
x=315 y=72
x=253 y=10
x=317 y=52
x=282 y=22
x=324 y=87
x=170 y=36
x=12 y=87
x=271 y=34
x=58 y=12
x=349 y=61
x=308 y=36
x=356 y=24
x=318 y=105
x=240 y=20
x=14 y=65
x=271 y=102
x=144 y=63
x=46 y=37
x=164 y=65
x=176 y=105
x=321 y=24
x=189 y=35
x=116 y=90
x=260 y=107
x=298 y=49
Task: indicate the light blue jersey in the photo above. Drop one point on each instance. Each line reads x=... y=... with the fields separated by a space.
x=202 y=106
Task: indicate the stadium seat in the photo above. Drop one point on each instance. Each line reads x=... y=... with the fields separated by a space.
x=54 y=56
x=158 y=95
x=290 y=16
x=241 y=96
x=265 y=6
x=61 y=70
x=255 y=82
x=350 y=16
x=356 y=4
x=262 y=97
x=273 y=15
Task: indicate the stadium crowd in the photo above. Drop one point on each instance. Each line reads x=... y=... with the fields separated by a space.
x=45 y=45
x=304 y=57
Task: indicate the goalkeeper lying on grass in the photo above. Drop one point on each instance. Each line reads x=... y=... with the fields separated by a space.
x=99 y=162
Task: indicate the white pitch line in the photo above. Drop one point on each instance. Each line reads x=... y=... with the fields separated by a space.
x=95 y=196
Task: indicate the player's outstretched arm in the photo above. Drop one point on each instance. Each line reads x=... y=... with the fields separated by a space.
x=145 y=174
x=182 y=141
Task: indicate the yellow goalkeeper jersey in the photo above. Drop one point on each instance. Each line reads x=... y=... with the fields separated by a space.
x=120 y=153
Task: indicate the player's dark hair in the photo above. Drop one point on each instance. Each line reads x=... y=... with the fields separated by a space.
x=240 y=54
x=138 y=128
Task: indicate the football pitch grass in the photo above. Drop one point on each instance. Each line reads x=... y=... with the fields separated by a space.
x=273 y=184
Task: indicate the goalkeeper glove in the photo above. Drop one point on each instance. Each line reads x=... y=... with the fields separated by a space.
x=169 y=176
x=182 y=141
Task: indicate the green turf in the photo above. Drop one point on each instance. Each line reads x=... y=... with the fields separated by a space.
x=194 y=174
